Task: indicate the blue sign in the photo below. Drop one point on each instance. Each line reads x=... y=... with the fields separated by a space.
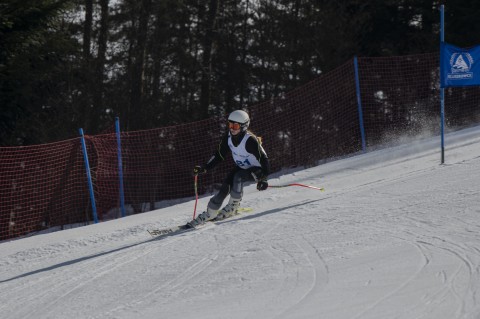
x=459 y=67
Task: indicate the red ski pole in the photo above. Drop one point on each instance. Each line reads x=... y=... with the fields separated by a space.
x=196 y=195
x=297 y=184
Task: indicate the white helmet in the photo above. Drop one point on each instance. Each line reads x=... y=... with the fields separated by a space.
x=240 y=117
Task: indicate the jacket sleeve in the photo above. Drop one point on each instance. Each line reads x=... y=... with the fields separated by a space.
x=220 y=153
x=253 y=147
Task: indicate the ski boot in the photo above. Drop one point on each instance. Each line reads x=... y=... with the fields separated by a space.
x=229 y=210
x=202 y=218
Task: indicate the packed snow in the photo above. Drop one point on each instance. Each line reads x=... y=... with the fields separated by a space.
x=395 y=234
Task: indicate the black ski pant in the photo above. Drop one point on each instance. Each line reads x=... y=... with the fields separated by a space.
x=233 y=185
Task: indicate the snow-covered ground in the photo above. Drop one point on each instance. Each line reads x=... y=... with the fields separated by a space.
x=394 y=235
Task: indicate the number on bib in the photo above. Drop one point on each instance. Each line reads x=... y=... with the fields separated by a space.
x=244 y=163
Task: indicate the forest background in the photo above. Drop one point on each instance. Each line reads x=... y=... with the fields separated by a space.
x=66 y=64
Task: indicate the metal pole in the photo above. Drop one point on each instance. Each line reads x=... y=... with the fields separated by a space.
x=359 y=104
x=195 y=186
x=89 y=177
x=120 y=167
x=442 y=90
x=297 y=184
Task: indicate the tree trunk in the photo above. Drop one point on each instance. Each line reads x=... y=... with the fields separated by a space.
x=159 y=39
x=84 y=109
x=207 y=60
x=138 y=67
x=98 y=107
x=87 y=29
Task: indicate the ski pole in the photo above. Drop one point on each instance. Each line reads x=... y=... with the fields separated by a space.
x=297 y=184
x=196 y=195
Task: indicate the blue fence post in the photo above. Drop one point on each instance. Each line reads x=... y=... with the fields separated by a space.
x=359 y=104
x=89 y=177
x=120 y=167
x=442 y=90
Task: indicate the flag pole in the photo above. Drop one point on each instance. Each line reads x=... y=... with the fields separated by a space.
x=442 y=90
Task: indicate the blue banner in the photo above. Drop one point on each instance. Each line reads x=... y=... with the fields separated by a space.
x=459 y=67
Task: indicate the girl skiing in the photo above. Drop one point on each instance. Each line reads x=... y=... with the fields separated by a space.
x=251 y=164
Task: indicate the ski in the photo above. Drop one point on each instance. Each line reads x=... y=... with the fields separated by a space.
x=181 y=228
x=239 y=211
x=167 y=231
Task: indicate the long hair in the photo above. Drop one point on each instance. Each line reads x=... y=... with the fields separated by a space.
x=259 y=139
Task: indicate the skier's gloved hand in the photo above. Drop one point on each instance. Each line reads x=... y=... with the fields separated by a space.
x=198 y=170
x=262 y=185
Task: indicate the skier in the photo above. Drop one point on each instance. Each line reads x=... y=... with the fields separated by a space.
x=251 y=164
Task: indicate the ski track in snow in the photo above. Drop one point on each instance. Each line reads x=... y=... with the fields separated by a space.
x=393 y=236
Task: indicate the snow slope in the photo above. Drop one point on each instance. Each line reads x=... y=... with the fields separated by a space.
x=395 y=235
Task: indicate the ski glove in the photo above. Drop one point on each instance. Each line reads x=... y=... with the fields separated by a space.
x=198 y=170
x=262 y=185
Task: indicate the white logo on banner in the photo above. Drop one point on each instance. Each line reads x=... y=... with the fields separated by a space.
x=461 y=64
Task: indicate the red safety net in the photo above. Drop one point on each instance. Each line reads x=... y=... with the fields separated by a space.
x=44 y=186
x=157 y=165
x=41 y=187
x=314 y=122
x=401 y=98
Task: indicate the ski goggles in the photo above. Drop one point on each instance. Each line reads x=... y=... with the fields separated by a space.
x=234 y=126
